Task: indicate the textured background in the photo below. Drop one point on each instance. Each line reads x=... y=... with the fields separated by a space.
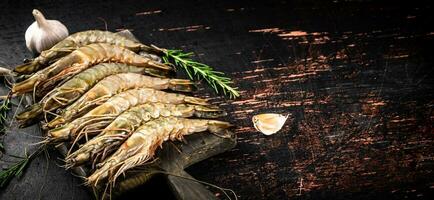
x=355 y=76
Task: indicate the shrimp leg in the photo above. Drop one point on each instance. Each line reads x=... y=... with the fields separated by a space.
x=118 y=130
x=140 y=147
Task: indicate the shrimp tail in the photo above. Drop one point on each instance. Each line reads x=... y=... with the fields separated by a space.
x=152 y=49
x=182 y=85
x=27 y=67
x=195 y=100
x=30 y=116
x=218 y=126
x=209 y=112
x=159 y=73
x=158 y=65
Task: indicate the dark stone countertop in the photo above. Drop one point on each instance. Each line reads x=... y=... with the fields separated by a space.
x=355 y=76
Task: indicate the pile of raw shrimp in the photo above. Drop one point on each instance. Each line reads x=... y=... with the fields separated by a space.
x=110 y=98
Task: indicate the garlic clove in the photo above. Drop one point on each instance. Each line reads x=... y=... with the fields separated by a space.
x=269 y=123
x=44 y=34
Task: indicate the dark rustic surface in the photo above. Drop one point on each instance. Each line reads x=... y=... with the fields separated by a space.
x=356 y=77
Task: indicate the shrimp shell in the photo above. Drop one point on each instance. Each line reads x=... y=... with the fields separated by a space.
x=140 y=147
x=113 y=85
x=76 y=41
x=105 y=113
x=72 y=89
x=100 y=146
x=80 y=60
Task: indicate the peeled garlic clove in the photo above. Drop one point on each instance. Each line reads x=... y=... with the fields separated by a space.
x=44 y=34
x=269 y=123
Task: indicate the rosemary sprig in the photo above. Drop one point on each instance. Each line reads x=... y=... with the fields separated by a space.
x=13 y=171
x=17 y=168
x=196 y=70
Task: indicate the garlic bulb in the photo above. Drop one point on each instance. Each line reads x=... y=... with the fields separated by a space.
x=269 y=123
x=43 y=34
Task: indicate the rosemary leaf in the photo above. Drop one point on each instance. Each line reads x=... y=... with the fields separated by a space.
x=215 y=79
x=13 y=171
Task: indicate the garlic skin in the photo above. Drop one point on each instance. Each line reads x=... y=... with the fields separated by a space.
x=269 y=123
x=44 y=34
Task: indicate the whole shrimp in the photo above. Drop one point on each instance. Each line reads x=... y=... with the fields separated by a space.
x=113 y=85
x=72 y=89
x=140 y=147
x=76 y=41
x=80 y=60
x=117 y=131
x=101 y=116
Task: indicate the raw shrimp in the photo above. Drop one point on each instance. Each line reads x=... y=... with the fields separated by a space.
x=140 y=147
x=72 y=89
x=76 y=41
x=105 y=113
x=80 y=60
x=113 y=85
x=110 y=138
